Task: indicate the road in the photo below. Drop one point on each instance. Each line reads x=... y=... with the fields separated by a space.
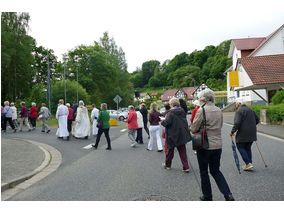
x=126 y=173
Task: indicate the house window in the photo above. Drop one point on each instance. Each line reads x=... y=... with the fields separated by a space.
x=238 y=94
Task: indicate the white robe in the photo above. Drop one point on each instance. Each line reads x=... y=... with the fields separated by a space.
x=61 y=115
x=94 y=116
x=82 y=127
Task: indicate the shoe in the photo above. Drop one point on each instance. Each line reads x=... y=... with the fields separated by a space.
x=247 y=167
x=160 y=150
x=15 y=130
x=48 y=131
x=229 y=198
x=68 y=138
x=147 y=149
x=108 y=148
x=29 y=130
x=133 y=144
x=165 y=167
x=185 y=170
x=86 y=137
x=202 y=198
x=94 y=146
x=42 y=131
x=60 y=137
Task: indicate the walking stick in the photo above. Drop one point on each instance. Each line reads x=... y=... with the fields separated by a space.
x=261 y=154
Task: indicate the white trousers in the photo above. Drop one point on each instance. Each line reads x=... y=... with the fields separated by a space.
x=155 y=130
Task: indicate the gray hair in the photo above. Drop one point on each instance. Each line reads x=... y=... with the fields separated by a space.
x=174 y=102
x=131 y=107
x=81 y=103
x=206 y=95
x=33 y=104
x=68 y=105
x=104 y=106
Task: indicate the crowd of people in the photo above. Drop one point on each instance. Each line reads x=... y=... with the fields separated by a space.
x=175 y=130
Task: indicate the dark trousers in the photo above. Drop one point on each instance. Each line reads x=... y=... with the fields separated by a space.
x=146 y=128
x=69 y=125
x=139 y=137
x=2 y=121
x=10 y=122
x=182 y=154
x=100 y=132
x=211 y=158
x=33 y=122
x=245 y=151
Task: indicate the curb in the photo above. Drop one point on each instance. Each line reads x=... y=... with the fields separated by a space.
x=51 y=162
x=262 y=132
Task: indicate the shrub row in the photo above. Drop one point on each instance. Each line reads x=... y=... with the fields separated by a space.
x=274 y=112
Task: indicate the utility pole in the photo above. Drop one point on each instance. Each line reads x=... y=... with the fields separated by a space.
x=64 y=84
x=48 y=83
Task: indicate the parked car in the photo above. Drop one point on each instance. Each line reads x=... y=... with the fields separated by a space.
x=117 y=115
x=162 y=110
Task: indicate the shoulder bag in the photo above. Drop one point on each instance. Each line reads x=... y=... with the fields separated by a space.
x=100 y=124
x=200 y=139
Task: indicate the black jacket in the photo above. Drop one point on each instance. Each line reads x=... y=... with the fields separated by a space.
x=177 y=131
x=144 y=113
x=245 y=124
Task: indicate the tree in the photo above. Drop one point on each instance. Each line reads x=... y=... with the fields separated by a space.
x=148 y=70
x=16 y=56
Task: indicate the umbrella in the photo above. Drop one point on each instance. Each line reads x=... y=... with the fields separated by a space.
x=235 y=155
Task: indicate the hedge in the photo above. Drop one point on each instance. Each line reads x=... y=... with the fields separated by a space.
x=274 y=112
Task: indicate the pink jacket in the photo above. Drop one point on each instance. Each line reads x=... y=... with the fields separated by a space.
x=132 y=120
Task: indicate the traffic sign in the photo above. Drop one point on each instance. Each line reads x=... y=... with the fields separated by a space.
x=117 y=99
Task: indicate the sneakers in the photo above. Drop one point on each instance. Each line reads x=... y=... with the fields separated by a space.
x=248 y=167
x=185 y=170
x=133 y=144
x=202 y=198
x=165 y=167
x=108 y=148
x=48 y=131
x=94 y=146
x=160 y=150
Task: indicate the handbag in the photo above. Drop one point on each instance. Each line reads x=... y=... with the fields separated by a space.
x=100 y=124
x=200 y=139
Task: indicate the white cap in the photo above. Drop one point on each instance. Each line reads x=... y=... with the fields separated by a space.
x=196 y=102
x=240 y=100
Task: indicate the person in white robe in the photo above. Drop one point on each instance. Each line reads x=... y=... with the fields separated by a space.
x=61 y=115
x=82 y=127
x=94 y=117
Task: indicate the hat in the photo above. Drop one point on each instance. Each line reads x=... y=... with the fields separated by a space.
x=240 y=100
x=196 y=102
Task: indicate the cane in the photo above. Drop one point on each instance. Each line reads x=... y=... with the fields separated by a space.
x=260 y=154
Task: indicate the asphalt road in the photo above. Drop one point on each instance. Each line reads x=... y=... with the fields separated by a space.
x=126 y=173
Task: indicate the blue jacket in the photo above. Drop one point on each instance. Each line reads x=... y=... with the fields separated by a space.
x=8 y=112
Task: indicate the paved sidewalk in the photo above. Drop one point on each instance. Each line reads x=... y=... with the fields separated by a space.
x=273 y=130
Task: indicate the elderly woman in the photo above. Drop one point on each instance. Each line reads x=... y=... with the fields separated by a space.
x=210 y=157
x=33 y=115
x=177 y=134
x=104 y=116
x=14 y=115
x=82 y=127
x=8 y=116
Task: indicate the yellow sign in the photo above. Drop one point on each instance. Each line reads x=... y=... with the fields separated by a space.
x=220 y=94
x=234 y=78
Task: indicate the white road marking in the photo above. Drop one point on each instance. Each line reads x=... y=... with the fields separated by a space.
x=123 y=130
x=88 y=146
x=263 y=134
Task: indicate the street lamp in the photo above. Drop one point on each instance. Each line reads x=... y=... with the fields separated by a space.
x=76 y=60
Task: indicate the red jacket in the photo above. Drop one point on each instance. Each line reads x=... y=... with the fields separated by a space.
x=33 y=112
x=132 y=120
x=71 y=113
x=193 y=114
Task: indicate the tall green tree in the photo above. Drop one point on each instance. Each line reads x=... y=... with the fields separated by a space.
x=16 y=56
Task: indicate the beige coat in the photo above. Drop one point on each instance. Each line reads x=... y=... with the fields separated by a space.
x=214 y=123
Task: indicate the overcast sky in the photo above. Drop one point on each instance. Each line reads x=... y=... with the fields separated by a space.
x=147 y=29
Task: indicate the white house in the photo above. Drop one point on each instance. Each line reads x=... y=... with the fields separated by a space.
x=257 y=72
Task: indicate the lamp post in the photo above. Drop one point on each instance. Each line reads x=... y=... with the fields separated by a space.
x=76 y=60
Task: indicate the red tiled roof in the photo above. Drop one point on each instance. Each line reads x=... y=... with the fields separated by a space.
x=172 y=92
x=247 y=43
x=266 y=40
x=154 y=93
x=167 y=93
x=264 y=69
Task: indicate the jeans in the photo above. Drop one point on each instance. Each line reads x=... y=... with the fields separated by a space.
x=245 y=151
x=182 y=154
x=155 y=130
x=211 y=158
x=101 y=131
x=139 y=137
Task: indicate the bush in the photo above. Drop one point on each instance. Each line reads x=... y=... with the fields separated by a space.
x=276 y=112
x=278 y=98
x=257 y=108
